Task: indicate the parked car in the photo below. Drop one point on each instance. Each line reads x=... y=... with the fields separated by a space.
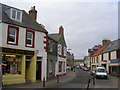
x=101 y=72
x=86 y=68
x=68 y=67
x=78 y=67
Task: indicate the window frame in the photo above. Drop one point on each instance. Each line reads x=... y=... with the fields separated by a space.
x=32 y=40
x=16 y=35
x=16 y=14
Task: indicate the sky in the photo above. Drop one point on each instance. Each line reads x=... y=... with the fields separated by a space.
x=86 y=22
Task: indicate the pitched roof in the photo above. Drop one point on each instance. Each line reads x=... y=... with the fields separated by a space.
x=115 y=45
x=55 y=37
x=27 y=22
x=98 y=51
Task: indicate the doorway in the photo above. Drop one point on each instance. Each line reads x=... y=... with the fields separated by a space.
x=38 y=70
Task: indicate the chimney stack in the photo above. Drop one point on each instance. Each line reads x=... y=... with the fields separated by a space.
x=105 y=42
x=33 y=13
x=61 y=30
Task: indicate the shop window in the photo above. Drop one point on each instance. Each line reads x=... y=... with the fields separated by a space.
x=30 y=38
x=13 y=64
x=12 y=37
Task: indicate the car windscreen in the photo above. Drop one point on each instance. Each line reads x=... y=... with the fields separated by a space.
x=100 y=70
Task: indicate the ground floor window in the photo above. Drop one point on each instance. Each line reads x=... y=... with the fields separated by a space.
x=64 y=66
x=115 y=69
x=60 y=66
x=13 y=63
x=50 y=66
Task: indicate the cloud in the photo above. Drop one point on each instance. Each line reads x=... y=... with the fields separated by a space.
x=85 y=23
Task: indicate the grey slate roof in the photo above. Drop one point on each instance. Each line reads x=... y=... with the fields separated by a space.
x=27 y=22
x=115 y=45
x=54 y=36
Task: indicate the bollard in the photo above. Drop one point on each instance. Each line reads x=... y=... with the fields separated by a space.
x=44 y=82
x=57 y=79
x=93 y=79
x=88 y=84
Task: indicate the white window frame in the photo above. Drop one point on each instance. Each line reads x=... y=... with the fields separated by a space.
x=29 y=39
x=16 y=15
x=12 y=36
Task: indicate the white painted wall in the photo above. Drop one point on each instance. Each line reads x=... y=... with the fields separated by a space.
x=39 y=45
x=113 y=55
x=57 y=65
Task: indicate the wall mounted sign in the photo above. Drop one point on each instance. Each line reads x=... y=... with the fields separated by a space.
x=17 y=51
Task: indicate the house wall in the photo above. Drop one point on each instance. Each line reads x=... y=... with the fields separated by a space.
x=57 y=66
x=39 y=46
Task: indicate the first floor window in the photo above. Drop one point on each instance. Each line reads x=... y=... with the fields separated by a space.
x=30 y=38
x=13 y=63
x=12 y=35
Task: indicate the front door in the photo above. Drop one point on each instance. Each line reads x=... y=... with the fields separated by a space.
x=38 y=70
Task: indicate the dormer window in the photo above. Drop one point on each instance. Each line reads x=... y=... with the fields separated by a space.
x=16 y=14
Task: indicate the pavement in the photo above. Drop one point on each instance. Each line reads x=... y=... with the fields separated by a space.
x=39 y=84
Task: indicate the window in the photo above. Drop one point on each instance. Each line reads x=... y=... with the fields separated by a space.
x=30 y=38
x=16 y=14
x=12 y=37
x=59 y=49
x=13 y=62
x=65 y=49
x=60 y=66
x=51 y=66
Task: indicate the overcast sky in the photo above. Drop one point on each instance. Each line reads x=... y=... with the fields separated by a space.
x=85 y=22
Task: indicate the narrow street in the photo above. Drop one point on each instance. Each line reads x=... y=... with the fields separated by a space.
x=81 y=81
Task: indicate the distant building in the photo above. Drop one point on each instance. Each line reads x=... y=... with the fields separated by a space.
x=79 y=62
x=70 y=59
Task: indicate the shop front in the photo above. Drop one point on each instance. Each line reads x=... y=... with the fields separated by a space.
x=16 y=69
x=115 y=67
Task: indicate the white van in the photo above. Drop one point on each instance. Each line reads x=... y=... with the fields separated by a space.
x=101 y=72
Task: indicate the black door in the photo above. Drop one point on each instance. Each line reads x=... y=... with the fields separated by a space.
x=38 y=70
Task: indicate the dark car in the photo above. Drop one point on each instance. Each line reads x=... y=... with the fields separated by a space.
x=86 y=68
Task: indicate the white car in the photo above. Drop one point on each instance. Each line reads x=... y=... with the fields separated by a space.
x=68 y=67
x=101 y=72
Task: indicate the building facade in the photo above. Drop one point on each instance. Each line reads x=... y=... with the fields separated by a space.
x=70 y=59
x=112 y=56
x=51 y=56
x=23 y=43
x=60 y=65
